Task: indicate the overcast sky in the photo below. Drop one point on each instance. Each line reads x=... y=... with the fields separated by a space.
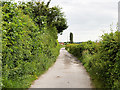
x=87 y=19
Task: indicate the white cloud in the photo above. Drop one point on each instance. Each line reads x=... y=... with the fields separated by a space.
x=87 y=18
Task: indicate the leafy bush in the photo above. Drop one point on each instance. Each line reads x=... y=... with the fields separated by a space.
x=77 y=49
x=102 y=60
x=28 y=48
x=0 y=49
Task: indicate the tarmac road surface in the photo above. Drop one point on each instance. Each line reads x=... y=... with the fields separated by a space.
x=67 y=72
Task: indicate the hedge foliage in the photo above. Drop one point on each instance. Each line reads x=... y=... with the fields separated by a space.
x=0 y=33
x=29 y=42
x=101 y=59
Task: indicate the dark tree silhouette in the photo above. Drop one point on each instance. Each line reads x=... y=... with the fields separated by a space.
x=71 y=37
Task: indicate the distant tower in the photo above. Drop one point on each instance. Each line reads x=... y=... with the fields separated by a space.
x=119 y=15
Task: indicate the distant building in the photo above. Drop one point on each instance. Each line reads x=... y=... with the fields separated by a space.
x=61 y=43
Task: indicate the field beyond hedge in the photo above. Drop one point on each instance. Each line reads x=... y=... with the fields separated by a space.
x=101 y=59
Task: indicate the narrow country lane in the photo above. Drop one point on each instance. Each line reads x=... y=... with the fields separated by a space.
x=67 y=72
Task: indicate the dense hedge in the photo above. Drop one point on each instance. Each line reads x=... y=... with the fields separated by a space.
x=77 y=49
x=0 y=65
x=102 y=60
x=28 y=48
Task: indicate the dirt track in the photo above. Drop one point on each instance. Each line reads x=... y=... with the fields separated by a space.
x=67 y=72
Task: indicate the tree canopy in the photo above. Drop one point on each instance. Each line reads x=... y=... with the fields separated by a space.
x=39 y=10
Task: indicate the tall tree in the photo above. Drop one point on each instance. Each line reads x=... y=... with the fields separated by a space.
x=41 y=12
x=71 y=37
